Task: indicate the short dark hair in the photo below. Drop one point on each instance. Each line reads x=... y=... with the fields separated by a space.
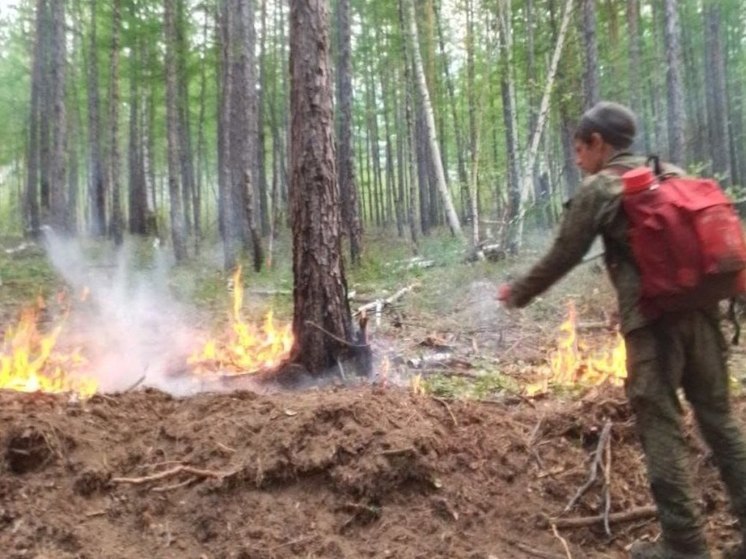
x=614 y=122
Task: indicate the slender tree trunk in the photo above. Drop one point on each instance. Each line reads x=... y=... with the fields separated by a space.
x=58 y=174
x=507 y=91
x=635 y=93
x=117 y=219
x=322 y=323
x=345 y=157
x=445 y=194
x=542 y=118
x=137 y=194
x=96 y=185
x=185 y=139
x=591 y=93
x=178 y=228
x=262 y=189
x=718 y=107
x=676 y=113
x=32 y=219
x=410 y=132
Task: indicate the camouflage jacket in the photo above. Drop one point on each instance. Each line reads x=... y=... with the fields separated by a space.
x=594 y=210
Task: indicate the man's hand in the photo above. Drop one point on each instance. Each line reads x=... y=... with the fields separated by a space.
x=504 y=295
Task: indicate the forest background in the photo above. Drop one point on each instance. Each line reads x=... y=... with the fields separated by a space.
x=91 y=89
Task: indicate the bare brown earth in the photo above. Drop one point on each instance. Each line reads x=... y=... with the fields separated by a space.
x=339 y=473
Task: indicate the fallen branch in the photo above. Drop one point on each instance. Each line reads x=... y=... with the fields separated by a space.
x=562 y=540
x=379 y=304
x=598 y=456
x=170 y=473
x=641 y=513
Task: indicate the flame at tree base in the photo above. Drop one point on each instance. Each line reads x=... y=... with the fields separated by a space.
x=249 y=348
x=574 y=363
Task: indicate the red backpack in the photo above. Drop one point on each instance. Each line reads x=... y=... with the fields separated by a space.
x=686 y=238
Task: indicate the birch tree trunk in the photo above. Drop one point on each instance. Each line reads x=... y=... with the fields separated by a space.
x=542 y=118
x=445 y=194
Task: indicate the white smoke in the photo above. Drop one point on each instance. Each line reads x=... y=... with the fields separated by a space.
x=130 y=328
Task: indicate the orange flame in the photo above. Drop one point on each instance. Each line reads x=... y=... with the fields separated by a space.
x=28 y=362
x=576 y=363
x=249 y=348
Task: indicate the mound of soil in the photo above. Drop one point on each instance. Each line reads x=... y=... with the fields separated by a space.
x=340 y=473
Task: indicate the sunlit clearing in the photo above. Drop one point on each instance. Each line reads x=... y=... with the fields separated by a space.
x=247 y=348
x=577 y=362
x=29 y=361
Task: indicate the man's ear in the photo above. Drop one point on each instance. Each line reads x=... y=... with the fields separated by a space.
x=596 y=139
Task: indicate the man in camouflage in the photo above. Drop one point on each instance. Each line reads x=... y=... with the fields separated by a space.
x=665 y=352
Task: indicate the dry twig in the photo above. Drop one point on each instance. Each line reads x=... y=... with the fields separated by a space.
x=598 y=456
x=639 y=513
x=562 y=541
x=170 y=473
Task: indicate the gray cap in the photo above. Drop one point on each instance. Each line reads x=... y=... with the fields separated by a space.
x=616 y=123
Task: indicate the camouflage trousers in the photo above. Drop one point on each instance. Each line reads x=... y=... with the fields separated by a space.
x=684 y=350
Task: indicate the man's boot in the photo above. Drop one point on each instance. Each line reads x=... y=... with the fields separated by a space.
x=660 y=550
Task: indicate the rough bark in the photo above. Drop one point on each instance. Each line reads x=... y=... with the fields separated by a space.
x=322 y=322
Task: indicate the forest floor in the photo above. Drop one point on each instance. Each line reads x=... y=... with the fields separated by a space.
x=445 y=456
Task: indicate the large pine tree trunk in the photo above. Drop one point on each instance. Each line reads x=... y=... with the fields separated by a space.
x=178 y=228
x=437 y=164
x=345 y=156
x=322 y=323
x=185 y=140
x=676 y=113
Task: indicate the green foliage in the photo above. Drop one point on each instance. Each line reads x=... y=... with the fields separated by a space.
x=482 y=385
